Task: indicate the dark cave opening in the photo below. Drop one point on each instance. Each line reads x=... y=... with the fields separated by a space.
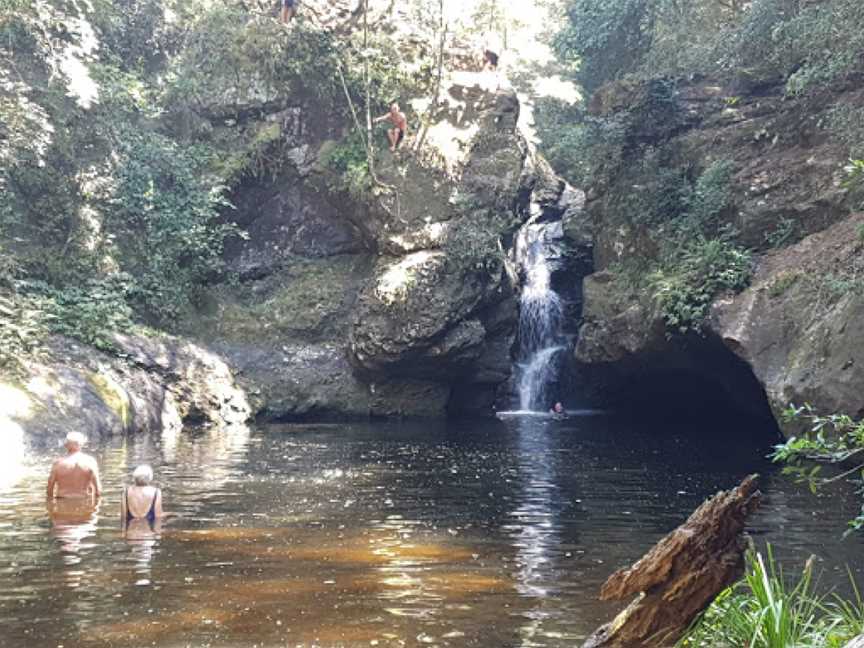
x=691 y=381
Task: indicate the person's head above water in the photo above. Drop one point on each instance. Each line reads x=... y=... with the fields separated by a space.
x=142 y=475
x=558 y=408
x=74 y=441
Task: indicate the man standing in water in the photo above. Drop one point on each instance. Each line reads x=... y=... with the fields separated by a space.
x=400 y=126
x=76 y=474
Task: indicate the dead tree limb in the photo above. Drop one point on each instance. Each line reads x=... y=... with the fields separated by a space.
x=681 y=575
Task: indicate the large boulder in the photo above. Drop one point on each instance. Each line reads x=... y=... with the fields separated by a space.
x=148 y=385
x=799 y=324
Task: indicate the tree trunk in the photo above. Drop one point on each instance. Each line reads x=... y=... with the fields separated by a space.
x=681 y=575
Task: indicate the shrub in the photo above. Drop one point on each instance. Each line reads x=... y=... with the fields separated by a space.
x=90 y=313
x=165 y=218
x=348 y=159
x=835 y=439
x=686 y=283
x=764 y=610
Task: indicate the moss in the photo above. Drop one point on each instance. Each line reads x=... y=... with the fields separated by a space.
x=113 y=396
x=309 y=300
x=782 y=283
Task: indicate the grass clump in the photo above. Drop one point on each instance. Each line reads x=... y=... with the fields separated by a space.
x=767 y=610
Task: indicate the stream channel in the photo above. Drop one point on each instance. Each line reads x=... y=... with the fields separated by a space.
x=490 y=534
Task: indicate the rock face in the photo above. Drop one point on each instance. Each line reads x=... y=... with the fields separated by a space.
x=799 y=324
x=791 y=333
x=681 y=575
x=153 y=385
x=401 y=304
x=342 y=304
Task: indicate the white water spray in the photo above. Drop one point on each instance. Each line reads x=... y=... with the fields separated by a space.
x=540 y=315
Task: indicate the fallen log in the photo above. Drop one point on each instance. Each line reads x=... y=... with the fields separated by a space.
x=857 y=642
x=681 y=575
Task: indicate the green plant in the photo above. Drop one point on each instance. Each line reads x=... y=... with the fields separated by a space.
x=835 y=439
x=686 y=283
x=348 y=159
x=167 y=222
x=784 y=233
x=765 y=610
x=783 y=282
x=711 y=194
x=90 y=313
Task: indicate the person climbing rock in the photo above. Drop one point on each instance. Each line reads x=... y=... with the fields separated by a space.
x=76 y=474
x=289 y=10
x=400 y=126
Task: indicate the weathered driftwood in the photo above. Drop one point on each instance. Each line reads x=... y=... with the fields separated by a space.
x=681 y=575
x=857 y=642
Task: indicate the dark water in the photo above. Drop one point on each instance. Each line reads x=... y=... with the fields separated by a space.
x=462 y=534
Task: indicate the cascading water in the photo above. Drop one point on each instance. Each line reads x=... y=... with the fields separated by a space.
x=540 y=316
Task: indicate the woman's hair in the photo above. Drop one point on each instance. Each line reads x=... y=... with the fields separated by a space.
x=142 y=475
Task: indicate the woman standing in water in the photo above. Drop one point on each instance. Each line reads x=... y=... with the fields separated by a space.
x=141 y=501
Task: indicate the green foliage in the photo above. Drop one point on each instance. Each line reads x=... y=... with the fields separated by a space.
x=806 y=45
x=711 y=194
x=166 y=220
x=698 y=257
x=348 y=159
x=846 y=123
x=688 y=280
x=582 y=148
x=782 y=283
x=854 y=181
x=765 y=610
x=90 y=313
x=784 y=233
x=605 y=38
x=835 y=439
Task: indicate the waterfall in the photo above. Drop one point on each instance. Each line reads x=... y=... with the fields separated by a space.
x=540 y=316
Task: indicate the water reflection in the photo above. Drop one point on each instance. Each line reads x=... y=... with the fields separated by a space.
x=535 y=527
x=73 y=520
x=143 y=536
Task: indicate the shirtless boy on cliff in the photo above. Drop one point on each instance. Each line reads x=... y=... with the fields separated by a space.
x=400 y=126
x=76 y=474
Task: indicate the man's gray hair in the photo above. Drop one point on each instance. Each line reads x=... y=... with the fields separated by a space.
x=75 y=438
x=142 y=475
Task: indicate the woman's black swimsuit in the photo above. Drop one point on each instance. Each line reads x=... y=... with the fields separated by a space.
x=151 y=514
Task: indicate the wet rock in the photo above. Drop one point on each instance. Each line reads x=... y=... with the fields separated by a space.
x=300 y=382
x=681 y=575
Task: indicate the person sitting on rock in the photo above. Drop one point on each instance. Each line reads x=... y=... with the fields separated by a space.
x=400 y=126
x=76 y=474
